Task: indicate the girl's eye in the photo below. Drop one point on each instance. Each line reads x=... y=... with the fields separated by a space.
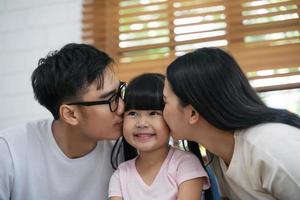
x=155 y=113
x=132 y=113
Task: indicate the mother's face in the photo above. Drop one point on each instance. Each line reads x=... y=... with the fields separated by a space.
x=174 y=113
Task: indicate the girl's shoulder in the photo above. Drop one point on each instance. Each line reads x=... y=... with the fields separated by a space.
x=179 y=152
x=179 y=155
x=127 y=165
x=186 y=166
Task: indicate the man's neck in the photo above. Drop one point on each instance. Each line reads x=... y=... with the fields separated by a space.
x=71 y=142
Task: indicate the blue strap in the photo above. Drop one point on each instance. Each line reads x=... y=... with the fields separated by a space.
x=213 y=183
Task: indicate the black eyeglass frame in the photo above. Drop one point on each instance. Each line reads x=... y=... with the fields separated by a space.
x=114 y=98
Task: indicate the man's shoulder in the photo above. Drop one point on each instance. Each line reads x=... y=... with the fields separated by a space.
x=22 y=130
x=106 y=145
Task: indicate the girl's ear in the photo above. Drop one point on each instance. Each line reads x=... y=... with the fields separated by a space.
x=191 y=114
x=68 y=114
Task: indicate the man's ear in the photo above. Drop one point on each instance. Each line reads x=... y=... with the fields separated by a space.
x=68 y=114
x=191 y=114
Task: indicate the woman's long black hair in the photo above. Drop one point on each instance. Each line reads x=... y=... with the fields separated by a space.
x=145 y=92
x=213 y=83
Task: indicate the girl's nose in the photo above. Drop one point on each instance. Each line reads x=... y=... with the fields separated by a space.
x=142 y=122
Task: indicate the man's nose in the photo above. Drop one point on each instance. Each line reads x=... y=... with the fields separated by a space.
x=121 y=107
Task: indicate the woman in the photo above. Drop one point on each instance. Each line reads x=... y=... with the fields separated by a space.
x=256 y=149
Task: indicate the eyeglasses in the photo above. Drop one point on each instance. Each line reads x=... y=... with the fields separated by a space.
x=113 y=101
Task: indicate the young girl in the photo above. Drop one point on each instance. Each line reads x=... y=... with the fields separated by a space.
x=159 y=171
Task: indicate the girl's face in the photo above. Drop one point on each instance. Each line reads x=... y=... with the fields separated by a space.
x=146 y=130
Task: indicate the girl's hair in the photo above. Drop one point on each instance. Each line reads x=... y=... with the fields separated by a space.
x=145 y=92
x=213 y=83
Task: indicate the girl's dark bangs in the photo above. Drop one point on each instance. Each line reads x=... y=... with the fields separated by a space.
x=143 y=100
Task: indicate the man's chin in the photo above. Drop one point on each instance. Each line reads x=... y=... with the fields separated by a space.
x=115 y=135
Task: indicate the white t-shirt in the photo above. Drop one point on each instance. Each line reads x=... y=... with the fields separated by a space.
x=32 y=167
x=265 y=164
x=179 y=166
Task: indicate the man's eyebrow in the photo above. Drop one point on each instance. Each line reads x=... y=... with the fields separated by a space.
x=108 y=94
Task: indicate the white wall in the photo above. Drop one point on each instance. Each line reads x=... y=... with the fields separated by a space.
x=29 y=29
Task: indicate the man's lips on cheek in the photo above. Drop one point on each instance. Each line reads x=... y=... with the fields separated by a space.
x=119 y=122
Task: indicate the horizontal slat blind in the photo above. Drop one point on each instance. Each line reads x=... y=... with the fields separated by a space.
x=143 y=32
x=146 y=35
x=97 y=23
x=264 y=34
x=198 y=24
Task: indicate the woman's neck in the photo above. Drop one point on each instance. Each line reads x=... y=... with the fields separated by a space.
x=216 y=141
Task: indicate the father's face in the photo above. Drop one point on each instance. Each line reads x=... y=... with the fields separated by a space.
x=98 y=122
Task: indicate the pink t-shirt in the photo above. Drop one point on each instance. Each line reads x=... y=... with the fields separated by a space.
x=179 y=166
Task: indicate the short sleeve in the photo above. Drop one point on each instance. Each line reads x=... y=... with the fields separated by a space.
x=279 y=175
x=189 y=167
x=115 y=185
x=279 y=181
x=275 y=160
x=6 y=170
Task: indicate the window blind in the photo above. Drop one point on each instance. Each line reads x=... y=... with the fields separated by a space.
x=146 y=35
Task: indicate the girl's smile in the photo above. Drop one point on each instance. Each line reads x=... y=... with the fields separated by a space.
x=144 y=137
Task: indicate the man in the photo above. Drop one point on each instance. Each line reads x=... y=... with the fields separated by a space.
x=68 y=157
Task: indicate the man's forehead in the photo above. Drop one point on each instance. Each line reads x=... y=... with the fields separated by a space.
x=107 y=83
x=110 y=84
x=110 y=80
